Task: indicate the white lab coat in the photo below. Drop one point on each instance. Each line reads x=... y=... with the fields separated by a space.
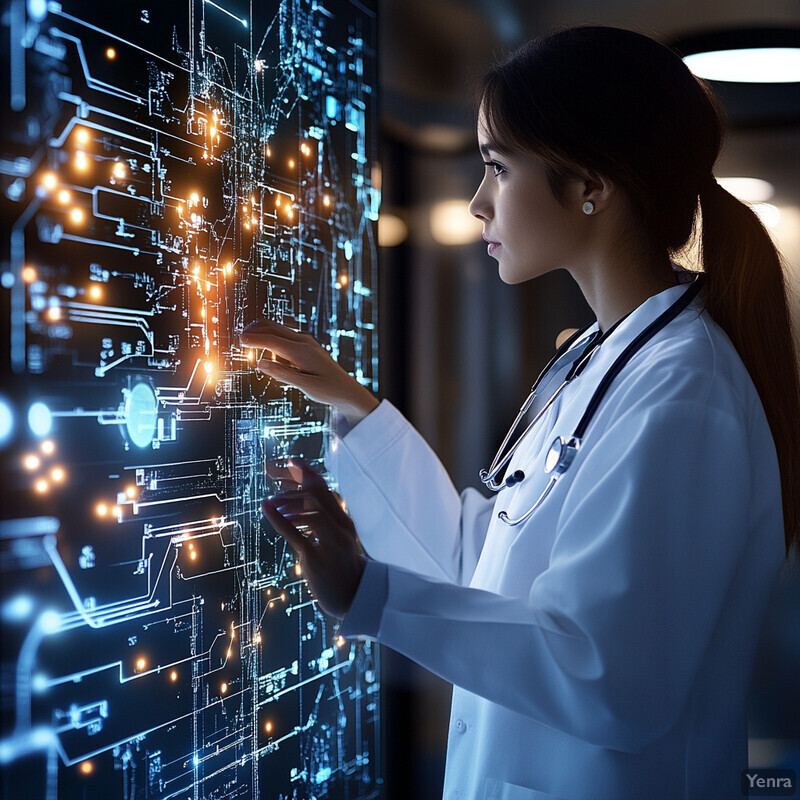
x=602 y=650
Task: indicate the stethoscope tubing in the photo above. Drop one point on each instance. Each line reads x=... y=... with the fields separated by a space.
x=568 y=447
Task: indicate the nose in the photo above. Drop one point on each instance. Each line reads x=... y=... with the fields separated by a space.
x=479 y=206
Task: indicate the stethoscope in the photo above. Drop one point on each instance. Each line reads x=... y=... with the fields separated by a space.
x=563 y=450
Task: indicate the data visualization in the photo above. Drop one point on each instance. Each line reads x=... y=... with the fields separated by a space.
x=169 y=173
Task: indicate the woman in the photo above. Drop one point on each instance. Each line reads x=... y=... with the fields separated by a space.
x=598 y=619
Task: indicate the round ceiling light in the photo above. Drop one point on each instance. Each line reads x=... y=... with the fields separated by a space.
x=744 y=55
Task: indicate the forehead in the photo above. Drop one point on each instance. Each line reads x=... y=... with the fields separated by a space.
x=487 y=141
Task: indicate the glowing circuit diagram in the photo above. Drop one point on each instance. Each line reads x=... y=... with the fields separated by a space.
x=170 y=172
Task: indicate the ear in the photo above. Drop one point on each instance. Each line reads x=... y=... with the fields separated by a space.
x=596 y=188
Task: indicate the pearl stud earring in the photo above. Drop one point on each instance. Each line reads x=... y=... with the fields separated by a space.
x=588 y=207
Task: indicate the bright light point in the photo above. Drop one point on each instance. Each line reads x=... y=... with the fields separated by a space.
x=247 y=226
x=289 y=213
x=18 y=608
x=116 y=511
x=40 y=419
x=95 y=292
x=257 y=639
x=751 y=65
x=54 y=313
x=82 y=135
x=209 y=367
x=28 y=274
x=269 y=153
x=86 y=767
x=39 y=682
x=250 y=355
x=748 y=190
x=769 y=215
x=130 y=492
x=58 y=474
x=50 y=621
x=283 y=595
x=41 y=486
x=452 y=224
x=140 y=664
x=230 y=652
x=291 y=163
x=194 y=198
x=228 y=268
x=258 y=64
x=101 y=509
x=81 y=162
x=31 y=462
x=196 y=761
x=48 y=447
x=203 y=312
x=224 y=688
x=193 y=555
x=173 y=676
x=49 y=180
x=268 y=727
x=76 y=215
x=119 y=170
x=343 y=279
x=297 y=569
x=340 y=640
x=278 y=201
x=392 y=230
x=326 y=201
x=111 y=53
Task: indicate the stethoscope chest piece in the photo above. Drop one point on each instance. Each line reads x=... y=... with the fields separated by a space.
x=561 y=454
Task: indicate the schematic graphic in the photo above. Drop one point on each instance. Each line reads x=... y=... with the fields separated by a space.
x=169 y=173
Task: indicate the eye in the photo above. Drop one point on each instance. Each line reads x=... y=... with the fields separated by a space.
x=497 y=168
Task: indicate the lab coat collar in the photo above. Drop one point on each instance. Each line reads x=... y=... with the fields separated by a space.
x=639 y=319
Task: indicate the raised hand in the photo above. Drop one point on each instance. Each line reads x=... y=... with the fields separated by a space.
x=310 y=369
x=311 y=519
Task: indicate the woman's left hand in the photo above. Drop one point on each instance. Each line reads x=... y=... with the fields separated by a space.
x=330 y=555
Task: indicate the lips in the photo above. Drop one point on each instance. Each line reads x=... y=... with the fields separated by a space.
x=488 y=240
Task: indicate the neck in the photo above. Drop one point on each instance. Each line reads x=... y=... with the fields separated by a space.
x=615 y=287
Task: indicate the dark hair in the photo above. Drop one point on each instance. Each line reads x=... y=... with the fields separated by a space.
x=624 y=106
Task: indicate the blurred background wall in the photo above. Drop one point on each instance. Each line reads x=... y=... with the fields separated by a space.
x=460 y=348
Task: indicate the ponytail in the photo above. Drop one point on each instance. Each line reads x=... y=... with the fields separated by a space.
x=619 y=104
x=747 y=298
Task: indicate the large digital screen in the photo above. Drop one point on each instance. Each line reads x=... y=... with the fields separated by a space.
x=170 y=172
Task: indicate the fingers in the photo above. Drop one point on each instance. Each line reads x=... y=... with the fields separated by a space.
x=284 y=528
x=313 y=483
x=284 y=342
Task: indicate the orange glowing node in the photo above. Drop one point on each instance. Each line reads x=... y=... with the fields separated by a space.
x=224 y=688
x=81 y=162
x=268 y=727
x=140 y=664
x=289 y=213
x=86 y=767
x=64 y=197
x=82 y=135
x=193 y=555
x=49 y=181
x=343 y=280
x=269 y=153
x=194 y=198
x=76 y=215
x=291 y=163
x=95 y=292
x=111 y=53
x=101 y=509
x=58 y=474
x=130 y=492
x=28 y=274
x=48 y=447
x=209 y=366
x=340 y=641
x=230 y=652
x=297 y=569
x=229 y=268
x=54 y=313
x=257 y=638
x=278 y=201
x=116 y=511
x=326 y=201
x=31 y=462
x=173 y=676
x=118 y=170
x=41 y=486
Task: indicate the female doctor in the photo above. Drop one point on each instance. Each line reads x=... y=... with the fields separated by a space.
x=598 y=617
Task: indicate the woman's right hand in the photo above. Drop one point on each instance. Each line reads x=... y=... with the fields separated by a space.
x=310 y=369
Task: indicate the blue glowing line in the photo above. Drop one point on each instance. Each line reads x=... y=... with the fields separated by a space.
x=242 y=22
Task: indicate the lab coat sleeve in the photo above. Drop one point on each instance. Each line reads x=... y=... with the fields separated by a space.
x=606 y=643
x=406 y=509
